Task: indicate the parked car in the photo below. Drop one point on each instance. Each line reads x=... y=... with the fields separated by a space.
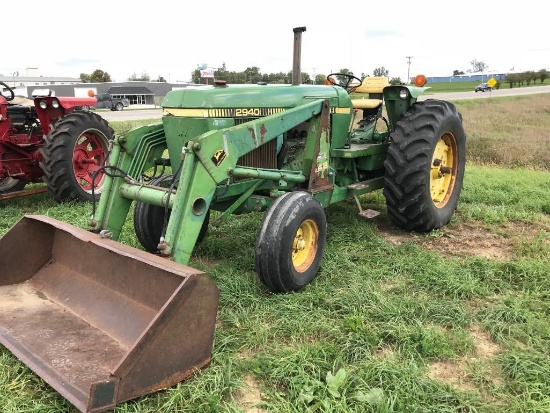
x=482 y=87
x=106 y=101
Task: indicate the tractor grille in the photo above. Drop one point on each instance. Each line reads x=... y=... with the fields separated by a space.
x=264 y=156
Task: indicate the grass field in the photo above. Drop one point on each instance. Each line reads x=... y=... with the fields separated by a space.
x=456 y=320
x=469 y=86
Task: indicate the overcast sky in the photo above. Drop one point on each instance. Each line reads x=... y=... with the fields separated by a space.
x=170 y=38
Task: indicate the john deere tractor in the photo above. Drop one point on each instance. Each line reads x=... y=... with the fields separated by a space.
x=290 y=151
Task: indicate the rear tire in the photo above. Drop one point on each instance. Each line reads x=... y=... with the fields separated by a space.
x=425 y=166
x=9 y=184
x=149 y=219
x=291 y=242
x=119 y=106
x=76 y=147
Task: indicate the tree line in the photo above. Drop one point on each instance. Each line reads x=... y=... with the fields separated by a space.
x=250 y=75
x=253 y=75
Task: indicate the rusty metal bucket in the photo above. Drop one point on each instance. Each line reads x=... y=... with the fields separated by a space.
x=99 y=321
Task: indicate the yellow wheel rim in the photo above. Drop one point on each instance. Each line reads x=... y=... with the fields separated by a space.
x=443 y=169
x=304 y=247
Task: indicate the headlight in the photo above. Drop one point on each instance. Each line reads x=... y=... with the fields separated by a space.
x=55 y=103
x=403 y=93
x=43 y=104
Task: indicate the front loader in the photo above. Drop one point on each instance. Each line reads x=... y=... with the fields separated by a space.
x=289 y=151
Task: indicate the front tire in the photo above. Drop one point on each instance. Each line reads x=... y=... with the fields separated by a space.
x=74 y=150
x=425 y=166
x=291 y=242
x=119 y=106
x=149 y=219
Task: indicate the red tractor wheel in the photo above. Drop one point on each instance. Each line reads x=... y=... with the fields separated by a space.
x=73 y=153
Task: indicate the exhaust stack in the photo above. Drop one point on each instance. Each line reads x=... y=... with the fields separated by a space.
x=296 y=62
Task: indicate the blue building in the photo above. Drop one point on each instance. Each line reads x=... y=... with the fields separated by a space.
x=467 y=78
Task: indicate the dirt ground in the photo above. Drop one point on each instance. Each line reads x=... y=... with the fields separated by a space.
x=471 y=238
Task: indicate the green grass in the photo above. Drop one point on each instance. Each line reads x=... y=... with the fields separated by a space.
x=369 y=332
x=470 y=86
x=456 y=320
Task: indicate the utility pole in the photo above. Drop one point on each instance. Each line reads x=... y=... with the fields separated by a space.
x=13 y=78
x=409 y=68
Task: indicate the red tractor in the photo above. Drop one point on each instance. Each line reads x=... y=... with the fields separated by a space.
x=47 y=140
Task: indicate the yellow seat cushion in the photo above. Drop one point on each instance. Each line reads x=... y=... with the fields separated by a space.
x=375 y=84
x=366 y=103
x=21 y=100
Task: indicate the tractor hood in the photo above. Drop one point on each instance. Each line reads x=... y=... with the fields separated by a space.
x=254 y=96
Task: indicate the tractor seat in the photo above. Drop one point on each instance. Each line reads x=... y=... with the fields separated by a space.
x=374 y=84
x=366 y=103
x=22 y=101
x=372 y=90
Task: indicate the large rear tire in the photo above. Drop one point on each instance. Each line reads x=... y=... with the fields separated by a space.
x=291 y=242
x=76 y=148
x=424 y=168
x=9 y=184
x=149 y=219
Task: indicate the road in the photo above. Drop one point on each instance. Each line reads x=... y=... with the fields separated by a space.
x=505 y=91
x=128 y=115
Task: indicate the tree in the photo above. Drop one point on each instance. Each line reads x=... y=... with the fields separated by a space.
x=380 y=71
x=320 y=79
x=530 y=76
x=457 y=72
x=253 y=74
x=511 y=79
x=161 y=79
x=343 y=79
x=396 y=81
x=478 y=66
x=144 y=77
x=97 y=76
x=543 y=75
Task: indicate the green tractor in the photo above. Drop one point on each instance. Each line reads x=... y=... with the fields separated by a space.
x=288 y=150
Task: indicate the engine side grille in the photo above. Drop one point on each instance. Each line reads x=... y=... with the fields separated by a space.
x=264 y=156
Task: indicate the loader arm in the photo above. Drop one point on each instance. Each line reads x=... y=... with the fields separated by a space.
x=208 y=160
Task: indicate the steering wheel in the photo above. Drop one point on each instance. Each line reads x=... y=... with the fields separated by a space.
x=9 y=90
x=347 y=84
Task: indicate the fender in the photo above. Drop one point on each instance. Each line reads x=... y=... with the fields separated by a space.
x=50 y=108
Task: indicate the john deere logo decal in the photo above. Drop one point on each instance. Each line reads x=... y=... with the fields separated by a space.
x=218 y=157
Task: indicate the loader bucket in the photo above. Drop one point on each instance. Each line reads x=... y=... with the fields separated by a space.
x=99 y=321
